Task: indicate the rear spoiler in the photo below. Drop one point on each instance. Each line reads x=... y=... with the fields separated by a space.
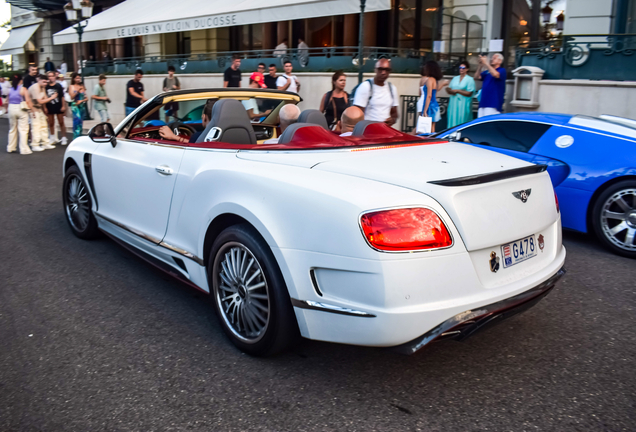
x=490 y=177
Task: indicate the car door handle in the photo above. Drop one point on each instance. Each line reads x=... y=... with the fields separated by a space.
x=164 y=169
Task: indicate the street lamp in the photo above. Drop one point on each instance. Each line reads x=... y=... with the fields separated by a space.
x=71 y=9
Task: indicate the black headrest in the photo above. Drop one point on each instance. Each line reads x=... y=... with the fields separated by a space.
x=288 y=135
x=232 y=124
x=358 y=130
x=313 y=116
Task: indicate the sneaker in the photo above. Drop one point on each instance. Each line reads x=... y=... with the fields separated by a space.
x=64 y=141
x=53 y=139
x=26 y=153
x=36 y=148
x=48 y=146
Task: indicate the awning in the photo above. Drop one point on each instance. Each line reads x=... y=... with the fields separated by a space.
x=143 y=17
x=18 y=38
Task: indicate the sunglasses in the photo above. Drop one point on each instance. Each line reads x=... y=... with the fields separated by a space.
x=462 y=67
x=384 y=69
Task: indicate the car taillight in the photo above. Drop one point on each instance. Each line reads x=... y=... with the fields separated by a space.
x=409 y=229
x=556 y=199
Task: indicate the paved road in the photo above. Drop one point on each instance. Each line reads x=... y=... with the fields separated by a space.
x=93 y=339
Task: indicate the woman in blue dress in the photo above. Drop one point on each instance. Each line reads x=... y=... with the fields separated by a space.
x=461 y=91
x=430 y=84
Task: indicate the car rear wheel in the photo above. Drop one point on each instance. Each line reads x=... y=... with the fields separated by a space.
x=614 y=220
x=78 y=206
x=249 y=293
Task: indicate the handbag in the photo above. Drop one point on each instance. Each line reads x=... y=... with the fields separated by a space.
x=424 y=124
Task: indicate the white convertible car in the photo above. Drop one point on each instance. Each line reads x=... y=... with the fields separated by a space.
x=379 y=239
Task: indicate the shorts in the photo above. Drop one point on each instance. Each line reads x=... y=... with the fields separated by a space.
x=54 y=109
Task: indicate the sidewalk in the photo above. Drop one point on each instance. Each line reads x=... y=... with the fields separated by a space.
x=88 y=124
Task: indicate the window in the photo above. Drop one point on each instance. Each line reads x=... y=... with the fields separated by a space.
x=511 y=135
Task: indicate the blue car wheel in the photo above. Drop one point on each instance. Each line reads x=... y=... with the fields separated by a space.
x=614 y=218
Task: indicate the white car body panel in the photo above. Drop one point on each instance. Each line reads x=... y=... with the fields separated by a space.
x=307 y=204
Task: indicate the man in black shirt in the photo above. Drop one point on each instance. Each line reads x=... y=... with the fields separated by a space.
x=135 y=92
x=270 y=79
x=55 y=108
x=31 y=77
x=232 y=75
x=49 y=66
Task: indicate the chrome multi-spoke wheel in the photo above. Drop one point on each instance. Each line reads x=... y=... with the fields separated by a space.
x=241 y=292
x=618 y=219
x=77 y=205
x=249 y=292
x=614 y=218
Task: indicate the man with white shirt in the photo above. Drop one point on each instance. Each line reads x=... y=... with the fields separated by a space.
x=377 y=97
x=287 y=81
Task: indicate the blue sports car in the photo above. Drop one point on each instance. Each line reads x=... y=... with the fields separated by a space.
x=591 y=161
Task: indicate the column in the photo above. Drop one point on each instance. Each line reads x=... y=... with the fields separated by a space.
x=350 y=37
x=152 y=44
x=269 y=36
x=199 y=42
x=283 y=32
x=370 y=24
x=120 y=51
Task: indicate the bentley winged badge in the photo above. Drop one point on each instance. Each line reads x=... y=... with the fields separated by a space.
x=522 y=195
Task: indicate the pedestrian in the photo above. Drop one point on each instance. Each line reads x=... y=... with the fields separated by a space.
x=49 y=66
x=303 y=52
x=19 y=106
x=281 y=49
x=5 y=87
x=135 y=92
x=31 y=77
x=101 y=99
x=334 y=102
x=61 y=80
x=287 y=81
x=63 y=68
x=377 y=97
x=261 y=68
x=39 y=123
x=431 y=80
x=251 y=104
x=171 y=83
x=494 y=86
x=55 y=108
x=288 y=115
x=271 y=77
x=77 y=92
x=232 y=75
x=350 y=118
x=460 y=102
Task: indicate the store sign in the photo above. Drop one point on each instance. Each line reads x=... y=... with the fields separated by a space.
x=180 y=25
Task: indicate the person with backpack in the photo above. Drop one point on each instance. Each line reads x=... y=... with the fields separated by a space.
x=377 y=97
x=171 y=83
x=334 y=102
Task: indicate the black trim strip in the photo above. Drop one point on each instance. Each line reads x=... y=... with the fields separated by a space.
x=490 y=177
x=89 y=176
x=324 y=307
x=314 y=281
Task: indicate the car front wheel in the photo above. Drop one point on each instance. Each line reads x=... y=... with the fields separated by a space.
x=615 y=218
x=249 y=293
x=77 y=205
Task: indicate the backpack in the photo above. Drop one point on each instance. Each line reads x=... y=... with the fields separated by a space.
x=370 y=81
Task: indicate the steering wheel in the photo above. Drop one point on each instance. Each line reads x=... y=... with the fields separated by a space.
x=176 y=127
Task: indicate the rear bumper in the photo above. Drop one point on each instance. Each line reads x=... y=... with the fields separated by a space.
x=467 y=323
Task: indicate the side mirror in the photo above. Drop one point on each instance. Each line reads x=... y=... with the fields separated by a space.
x=103 y=133
x=455 y=136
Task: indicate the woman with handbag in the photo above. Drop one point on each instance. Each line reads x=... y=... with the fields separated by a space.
x=334 y=102
x=19 y=108
x=430 y=85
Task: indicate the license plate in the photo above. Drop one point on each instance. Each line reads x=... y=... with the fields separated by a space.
x=519 y=251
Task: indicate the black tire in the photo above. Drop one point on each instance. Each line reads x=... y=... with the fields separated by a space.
x=78 y=206
x=614 y=218
x=254 y=308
